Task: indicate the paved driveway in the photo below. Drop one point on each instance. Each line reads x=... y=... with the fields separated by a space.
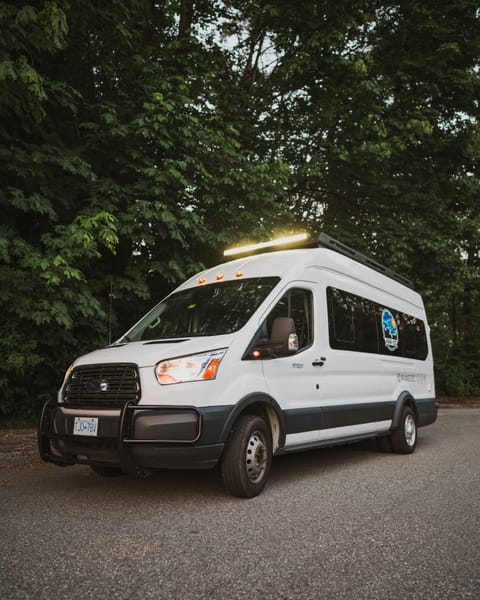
x=335 y=523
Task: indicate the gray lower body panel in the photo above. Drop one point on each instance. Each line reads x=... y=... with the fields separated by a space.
x=427 y=411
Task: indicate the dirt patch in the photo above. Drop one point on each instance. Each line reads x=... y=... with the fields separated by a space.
x=18 y=450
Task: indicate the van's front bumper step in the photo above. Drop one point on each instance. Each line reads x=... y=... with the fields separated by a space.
x=134 y=438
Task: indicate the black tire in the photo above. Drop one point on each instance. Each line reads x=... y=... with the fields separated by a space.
x=404 y=438
x=247 y=457
x=106 y=471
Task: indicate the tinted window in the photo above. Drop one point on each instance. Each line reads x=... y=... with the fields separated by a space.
x=342 y=307
x=365 y=324
x=296 y=304
x=413 y=337
x=361 y=325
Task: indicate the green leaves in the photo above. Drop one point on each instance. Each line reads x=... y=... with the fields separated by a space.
x=132 y=153
x=26 y=33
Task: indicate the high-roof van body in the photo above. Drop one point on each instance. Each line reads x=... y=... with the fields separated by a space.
x=263 y=355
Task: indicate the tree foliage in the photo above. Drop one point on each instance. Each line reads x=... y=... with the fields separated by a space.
x=139 y=138
x=374 y=107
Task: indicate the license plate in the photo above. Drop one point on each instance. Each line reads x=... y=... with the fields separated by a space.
x=85 y=426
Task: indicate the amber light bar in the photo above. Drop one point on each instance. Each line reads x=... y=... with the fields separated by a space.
x=291 y=239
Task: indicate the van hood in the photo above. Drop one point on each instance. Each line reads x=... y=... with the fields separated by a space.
x=149 y=353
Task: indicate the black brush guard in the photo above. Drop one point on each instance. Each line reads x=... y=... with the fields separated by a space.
x=120 y=447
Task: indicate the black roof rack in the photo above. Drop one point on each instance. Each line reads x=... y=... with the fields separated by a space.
x=326 y=241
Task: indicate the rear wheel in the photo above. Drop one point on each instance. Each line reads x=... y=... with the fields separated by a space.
x=106 y=471
x=247 y=457
x=404 y=438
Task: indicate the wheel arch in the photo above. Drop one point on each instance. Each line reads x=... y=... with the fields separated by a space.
x=405 y=399
x=264 y=406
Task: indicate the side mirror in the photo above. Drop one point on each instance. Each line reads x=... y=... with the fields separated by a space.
x=283 y=340
x=293 y=343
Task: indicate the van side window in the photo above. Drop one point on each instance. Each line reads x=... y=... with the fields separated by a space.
x=296 y=304
x=342 y=307
x=361 y=325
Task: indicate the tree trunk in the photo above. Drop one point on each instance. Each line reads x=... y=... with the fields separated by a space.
x=186 y=18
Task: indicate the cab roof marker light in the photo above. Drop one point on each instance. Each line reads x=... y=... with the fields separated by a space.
x=291 y=239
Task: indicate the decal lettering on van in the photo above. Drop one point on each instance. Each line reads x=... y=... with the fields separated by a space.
x=390 y=330
x=412 y=378
x=407 y=377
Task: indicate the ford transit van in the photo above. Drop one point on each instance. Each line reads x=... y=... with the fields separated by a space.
x=264 y=355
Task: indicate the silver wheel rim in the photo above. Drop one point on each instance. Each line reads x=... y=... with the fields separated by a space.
x=256 y=456
x=410 y=430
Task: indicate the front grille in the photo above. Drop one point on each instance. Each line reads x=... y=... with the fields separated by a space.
x=108 y=385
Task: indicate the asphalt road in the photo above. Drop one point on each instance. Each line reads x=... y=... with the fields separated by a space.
x=336 y=523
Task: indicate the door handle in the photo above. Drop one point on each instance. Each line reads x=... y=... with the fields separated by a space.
x=319 y=363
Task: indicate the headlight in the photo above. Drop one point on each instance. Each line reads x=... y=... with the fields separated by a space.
x=196 y=367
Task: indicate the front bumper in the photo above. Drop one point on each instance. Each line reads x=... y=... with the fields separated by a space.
x=135 y=437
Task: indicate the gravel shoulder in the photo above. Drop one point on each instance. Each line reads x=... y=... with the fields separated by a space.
x=18 y=450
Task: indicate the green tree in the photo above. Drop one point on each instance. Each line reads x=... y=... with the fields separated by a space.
x=139 y=138
x=44 y=244
x=374 y=106
x=118 y=173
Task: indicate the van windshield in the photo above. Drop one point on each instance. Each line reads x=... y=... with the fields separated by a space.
x=214 y=309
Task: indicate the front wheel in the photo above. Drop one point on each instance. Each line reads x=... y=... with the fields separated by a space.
x=247 y=457
x=404 y=438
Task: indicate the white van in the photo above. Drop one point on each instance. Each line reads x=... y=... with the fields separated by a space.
x=264 y=355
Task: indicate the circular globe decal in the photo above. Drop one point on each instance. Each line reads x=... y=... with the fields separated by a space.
x=390 y=330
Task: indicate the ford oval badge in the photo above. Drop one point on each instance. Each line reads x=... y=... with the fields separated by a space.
x=96 y=385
